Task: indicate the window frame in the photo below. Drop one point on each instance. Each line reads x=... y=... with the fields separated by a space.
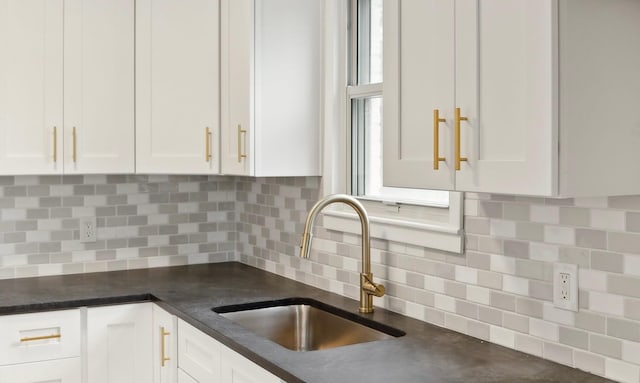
x=427 y=226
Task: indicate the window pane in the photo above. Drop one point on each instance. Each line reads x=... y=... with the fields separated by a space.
x=369 y=41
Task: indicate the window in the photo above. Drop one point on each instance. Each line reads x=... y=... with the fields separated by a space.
x=353 y=160
x=364 y=95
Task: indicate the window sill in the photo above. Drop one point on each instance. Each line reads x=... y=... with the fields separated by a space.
x=435 y=236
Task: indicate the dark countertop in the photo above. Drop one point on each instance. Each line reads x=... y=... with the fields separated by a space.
x=426 y=354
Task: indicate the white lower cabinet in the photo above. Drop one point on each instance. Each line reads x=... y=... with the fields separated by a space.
x=119 y=344
x=201 y=359
x=165 y=350
x=51 y=371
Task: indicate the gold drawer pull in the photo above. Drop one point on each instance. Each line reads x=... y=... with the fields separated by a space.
x=44 y=337
x=240 y=133
x=163 y=358
x=75 y=137
x=55 y=144
x=207 y=138
x=459 y=118
x=436 y=139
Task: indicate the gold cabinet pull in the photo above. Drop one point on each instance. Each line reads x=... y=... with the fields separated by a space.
x=436 y=139
x=240 y=133
x=44 y=337
x=459 y=118
x=55 y=144
x=163 y=358
x=75 y=139
x=207 y=138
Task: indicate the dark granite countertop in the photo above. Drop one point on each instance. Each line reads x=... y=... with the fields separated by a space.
x=426 y=354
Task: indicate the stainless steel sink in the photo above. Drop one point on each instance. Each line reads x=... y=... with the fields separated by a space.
x=306 y=325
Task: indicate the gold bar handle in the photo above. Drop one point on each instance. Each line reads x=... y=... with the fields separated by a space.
x=55 y=144
x=75 y=139
x=459 y=118
x=44 y=337
x=436 y=139
x=163 y=358
x=207 y=138
x=240 y=133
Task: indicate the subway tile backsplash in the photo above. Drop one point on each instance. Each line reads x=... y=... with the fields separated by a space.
x=499 y=290
x=142 y=221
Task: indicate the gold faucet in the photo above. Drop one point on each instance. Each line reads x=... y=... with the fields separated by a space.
x=368 y=288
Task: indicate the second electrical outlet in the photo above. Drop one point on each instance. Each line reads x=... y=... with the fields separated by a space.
x=88 y=229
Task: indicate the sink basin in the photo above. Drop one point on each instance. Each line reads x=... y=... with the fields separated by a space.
x=302 y=324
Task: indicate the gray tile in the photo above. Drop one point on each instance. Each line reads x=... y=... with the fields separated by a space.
x=624 y=329
x=516 y=249
x=625 y=202
x=575 y=216
x=490 y=315
x=575 y=255
x=541 y=290
x=624 y=242
x=605 y=261
x=529 y=307
x=574 y=338
x=467 y=309
x=605 y=346
x=593 y=239
x=589 y=362
x=478 y=260
x=476 y=225
x=623 y=285
x=530 y=231
x=503 y=301
x=632 y=309
x=557 y=353
x=490 y=279
x=516 y=211
x=591 y=321
x=490 y=209
x=478 y=330
x=516 y=322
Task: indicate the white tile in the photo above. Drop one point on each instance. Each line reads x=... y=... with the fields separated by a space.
x=445 y=303
x=529 y=345
x=479 y=295
x=632 y=264
x=502 y=229
x=631 y=352
x=560 y=235
x=553 y=314
x=597 y=202
x=545 y=214
x=592 y=280
x=502 y=336
x=470 y=207
x=606 y=303
x=502 y=264
x=515 y=285
x=415 y=310
x=543 y=252
x=434 y=284
x=466 y=275
x=608 y=219
x=621 y=371
x=543 y=329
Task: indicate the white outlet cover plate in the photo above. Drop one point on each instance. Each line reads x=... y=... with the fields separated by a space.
x=572 y=270
x=88 y=229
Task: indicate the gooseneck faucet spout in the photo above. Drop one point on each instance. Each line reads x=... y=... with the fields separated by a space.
x=368 y=288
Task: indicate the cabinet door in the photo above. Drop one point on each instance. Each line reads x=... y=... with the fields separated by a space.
x=238 y=369
x=119 y=344
x=506 y=73
x=237 y=25
x=177 y=86
x=198 y=354
x=418 y=79
x=53 y=371
x=99 y=86
x=31 y=86
x=165 y=350
x=183 y=377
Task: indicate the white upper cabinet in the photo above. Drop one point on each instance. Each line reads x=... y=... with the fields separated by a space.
x=31 y=39
x=271 y=84
x=542 y=99
x=99 y=86
x=96 y=96
x=177 y=86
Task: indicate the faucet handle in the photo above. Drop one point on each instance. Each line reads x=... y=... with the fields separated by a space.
x=370 y=287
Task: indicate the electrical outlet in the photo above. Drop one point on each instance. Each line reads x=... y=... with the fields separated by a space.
x=88 y=229
x=565 y=286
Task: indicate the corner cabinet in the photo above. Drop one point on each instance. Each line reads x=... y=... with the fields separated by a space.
x=271 y=84
x=177 y=86
x=66 y=86
x=528 y=97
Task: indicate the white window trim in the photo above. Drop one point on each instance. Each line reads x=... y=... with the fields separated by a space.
x=445 y=235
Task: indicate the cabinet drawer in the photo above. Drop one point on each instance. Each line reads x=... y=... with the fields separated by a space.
x=52 y=371
x=198 y=354
x=40 y=336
